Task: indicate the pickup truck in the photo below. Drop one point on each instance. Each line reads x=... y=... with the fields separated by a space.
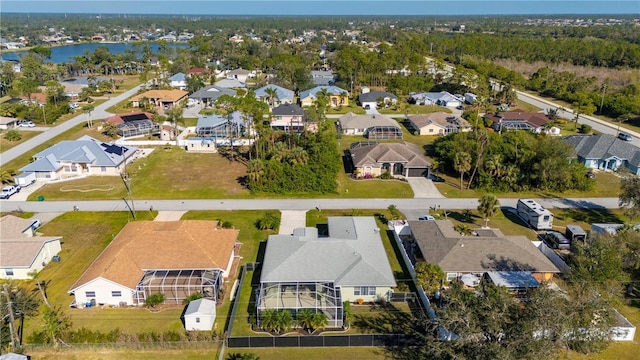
x=8 y=191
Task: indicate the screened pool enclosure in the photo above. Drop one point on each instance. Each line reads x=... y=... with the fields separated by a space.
x=294 y=296
x=177 y=285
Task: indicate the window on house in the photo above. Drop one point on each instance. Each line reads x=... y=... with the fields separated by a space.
x=430 y=130
x=197 y=320
x=116 y=293
x=103 y=168
x=90 y=294
x=364 y=290
x=451 y=276
x=9 y=272
x=67 y=169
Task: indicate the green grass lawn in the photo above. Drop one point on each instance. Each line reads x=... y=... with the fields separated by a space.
x=607 y=185
x=413 y=109
x=24 y=136
x=354 y=108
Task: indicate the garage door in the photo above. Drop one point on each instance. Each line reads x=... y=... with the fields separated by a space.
x=418 y=172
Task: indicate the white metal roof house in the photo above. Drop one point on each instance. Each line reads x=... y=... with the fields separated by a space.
x=21 y=251
x=305 y=270
x=200 y=315
x=178 y=81
x=175 y=258
x=442 y=98
x=82 y=157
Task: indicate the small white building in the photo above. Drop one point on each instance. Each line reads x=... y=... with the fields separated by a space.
x=21 y=251
x=200 y=315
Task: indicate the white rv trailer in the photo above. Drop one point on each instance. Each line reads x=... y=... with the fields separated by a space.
x=534 y=214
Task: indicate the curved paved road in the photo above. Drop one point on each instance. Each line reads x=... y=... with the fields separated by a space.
x=98 y=113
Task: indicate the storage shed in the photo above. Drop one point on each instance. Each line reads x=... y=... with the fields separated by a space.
x=200 y=315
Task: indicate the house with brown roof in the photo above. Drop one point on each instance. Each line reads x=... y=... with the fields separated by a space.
x=162 y=98
x=486 y=250
x=438 y=123
x=402 y=159
x=175 y=258
x=518 y=120
x=22 y=251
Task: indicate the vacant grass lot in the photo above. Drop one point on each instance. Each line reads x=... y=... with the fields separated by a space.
x=607 y=185
x=413 y=109
x=24 y=136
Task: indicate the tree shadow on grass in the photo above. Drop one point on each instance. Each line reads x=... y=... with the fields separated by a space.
x=589 y=216
x=511 y=215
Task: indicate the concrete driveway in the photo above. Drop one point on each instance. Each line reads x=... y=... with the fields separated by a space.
x=292 y=220
x=424 y=188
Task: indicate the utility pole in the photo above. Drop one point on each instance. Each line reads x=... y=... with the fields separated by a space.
x=604 y=90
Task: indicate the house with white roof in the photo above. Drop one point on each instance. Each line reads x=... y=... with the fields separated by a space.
x=200 y=315
x=442 y=98
x=178 y=81
x=240 y=74
x=22 y=252
x=82 y=157
x=306 y=270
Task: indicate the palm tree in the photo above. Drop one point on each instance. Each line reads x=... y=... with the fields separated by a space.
x=272 y=94
x=319 y=320
x=255 y=170
x=284 y=321
x=268 y=319
x=174 y=115
x=297 y=156
x=488 y=206
x=462 y=164
x=305 y=319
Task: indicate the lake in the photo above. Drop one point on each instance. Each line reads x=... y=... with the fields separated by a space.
x=65 y=53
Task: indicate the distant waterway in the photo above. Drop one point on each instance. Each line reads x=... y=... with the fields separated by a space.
x=66 y=53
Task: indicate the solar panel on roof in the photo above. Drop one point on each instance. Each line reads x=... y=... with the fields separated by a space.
x=133 y=117
x=115 y=149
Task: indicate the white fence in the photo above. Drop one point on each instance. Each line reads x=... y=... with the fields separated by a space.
x=551 y=255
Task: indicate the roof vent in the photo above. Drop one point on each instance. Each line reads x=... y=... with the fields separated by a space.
x=461 y=245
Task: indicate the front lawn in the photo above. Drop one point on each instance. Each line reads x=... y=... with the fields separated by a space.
x=354 y=108
x=24 y=136
x=607 y=185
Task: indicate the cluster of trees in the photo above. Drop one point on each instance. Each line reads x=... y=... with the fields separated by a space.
x=490 y=324
x=281 y=321
x=289 y=163
x=513 y=161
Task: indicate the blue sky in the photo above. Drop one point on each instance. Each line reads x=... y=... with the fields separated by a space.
x=325 y=7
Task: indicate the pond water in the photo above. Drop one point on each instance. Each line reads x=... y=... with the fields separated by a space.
x=65 y=53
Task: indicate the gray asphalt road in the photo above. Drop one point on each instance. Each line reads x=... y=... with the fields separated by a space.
x=289 y=204
x=98 y=113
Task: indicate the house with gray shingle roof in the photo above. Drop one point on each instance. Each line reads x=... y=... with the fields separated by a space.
x=369 y=99
x=82 y=157
x=306 y=270
x=23 y=252
x=372 y=126
x=209 y=94
x=487 y=250
x=372 y=159
x=605 y=152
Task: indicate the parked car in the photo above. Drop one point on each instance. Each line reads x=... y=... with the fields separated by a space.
x=36 y=224
x=8 y=191
x=426 y=217
x=624 y=136
x=74 y=105
x=590 y=175
x=556 y=240
x=26 y=124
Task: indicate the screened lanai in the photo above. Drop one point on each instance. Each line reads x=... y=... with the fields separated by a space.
x=135 y=128
x=384 y=132
x=294 y=296
x=177 y=285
